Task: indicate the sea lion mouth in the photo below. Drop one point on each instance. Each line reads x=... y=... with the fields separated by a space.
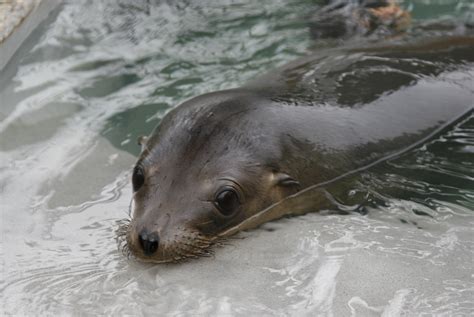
x=187 y=245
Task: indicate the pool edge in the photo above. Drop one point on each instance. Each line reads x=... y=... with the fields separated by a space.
x=39 y=12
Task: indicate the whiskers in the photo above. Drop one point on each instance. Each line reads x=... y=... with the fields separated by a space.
x=130 y=207
x=187 y=244
x=194 y=245
x=123 y=227
x=191 y=245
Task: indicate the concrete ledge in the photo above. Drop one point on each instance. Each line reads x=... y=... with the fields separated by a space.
x=18 y=18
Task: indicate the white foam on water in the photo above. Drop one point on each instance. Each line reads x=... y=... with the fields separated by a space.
x=63 y=188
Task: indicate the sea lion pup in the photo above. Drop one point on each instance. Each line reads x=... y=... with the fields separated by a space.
x=231 y=160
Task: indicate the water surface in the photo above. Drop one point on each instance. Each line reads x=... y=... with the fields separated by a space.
x=100 y=74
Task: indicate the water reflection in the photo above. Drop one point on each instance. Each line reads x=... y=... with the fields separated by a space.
x=124 y=128
x=64 y=179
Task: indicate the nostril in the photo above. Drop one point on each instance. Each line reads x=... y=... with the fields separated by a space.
x=149 y=242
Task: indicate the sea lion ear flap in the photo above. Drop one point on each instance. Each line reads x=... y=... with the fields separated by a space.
x=142 y=141
x=285 y=180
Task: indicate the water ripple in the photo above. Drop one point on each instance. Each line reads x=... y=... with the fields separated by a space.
x=104 y=72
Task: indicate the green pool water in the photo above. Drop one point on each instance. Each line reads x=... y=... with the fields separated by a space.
x=99 y=74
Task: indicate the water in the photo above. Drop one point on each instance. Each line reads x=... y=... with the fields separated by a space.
x=100 y=74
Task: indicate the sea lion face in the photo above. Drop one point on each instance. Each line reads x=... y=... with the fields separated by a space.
x=196 y=178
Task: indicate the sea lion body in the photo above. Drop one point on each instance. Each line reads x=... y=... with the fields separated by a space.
x=309 y=123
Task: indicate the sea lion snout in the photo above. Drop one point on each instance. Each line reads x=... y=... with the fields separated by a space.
x=149 y=242
x=168 y=244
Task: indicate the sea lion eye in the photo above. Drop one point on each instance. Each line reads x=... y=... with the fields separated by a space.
x=138 y=178
x=227 y=201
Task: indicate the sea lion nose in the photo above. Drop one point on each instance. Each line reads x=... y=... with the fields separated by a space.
x=149 y=242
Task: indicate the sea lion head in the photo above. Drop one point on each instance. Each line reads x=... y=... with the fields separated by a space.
x=208 y=166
